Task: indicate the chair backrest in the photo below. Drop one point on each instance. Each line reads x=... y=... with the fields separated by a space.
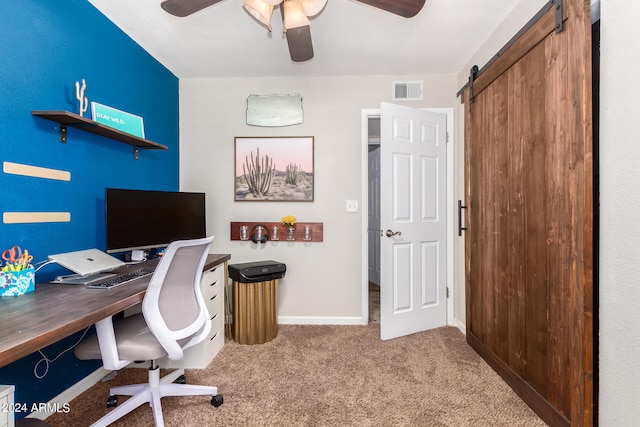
x=173 y=307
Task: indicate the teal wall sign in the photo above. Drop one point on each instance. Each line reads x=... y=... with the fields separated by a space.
x=117 y=119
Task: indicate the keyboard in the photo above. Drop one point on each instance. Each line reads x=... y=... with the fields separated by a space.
x=121 y=279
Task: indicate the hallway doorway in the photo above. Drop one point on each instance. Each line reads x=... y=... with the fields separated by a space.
x=373 y=216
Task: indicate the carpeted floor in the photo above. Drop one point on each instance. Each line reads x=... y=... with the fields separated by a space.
x=332 y=376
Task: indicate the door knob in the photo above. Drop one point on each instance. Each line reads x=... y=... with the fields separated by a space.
x=391 y=233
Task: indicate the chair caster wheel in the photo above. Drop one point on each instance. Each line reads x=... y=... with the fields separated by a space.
x=180 y=380
x=112 y=401
x=217 y=400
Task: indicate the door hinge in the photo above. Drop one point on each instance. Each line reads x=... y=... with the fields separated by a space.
x=447 y=140
x=447 y=292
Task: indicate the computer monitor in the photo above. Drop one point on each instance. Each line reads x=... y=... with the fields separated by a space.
x=146 y=219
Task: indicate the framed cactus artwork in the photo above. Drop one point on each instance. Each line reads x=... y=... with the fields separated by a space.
x=274 y=169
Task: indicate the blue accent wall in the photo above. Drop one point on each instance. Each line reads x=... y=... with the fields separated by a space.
x=46 y=46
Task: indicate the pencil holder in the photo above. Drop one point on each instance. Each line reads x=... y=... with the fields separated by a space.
x=16 y=283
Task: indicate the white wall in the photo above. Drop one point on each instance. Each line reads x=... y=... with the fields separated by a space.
x=619 y=201
x=324 y=280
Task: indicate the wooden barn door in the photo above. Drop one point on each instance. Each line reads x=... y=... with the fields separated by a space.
x=529 y=242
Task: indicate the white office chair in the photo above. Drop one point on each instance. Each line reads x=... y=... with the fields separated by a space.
x=174 y=317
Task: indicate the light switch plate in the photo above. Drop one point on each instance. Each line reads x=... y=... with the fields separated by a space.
x=352 y=206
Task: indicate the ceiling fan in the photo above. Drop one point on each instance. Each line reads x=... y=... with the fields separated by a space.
x=295 y=14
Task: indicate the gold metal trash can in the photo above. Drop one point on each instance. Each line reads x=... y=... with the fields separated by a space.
x=255 y=311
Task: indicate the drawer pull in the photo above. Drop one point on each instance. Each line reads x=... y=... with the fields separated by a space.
x=214 y=283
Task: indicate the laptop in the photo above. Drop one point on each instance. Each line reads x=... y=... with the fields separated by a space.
x=87 y=261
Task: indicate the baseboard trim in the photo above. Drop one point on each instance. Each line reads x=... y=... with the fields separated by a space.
x=71 y=393
x=458 y=324
x=312 y=320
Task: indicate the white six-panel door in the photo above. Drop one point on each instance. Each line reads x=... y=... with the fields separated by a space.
x=413 y=220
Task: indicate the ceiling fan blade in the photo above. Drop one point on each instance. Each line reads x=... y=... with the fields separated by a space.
x=404 y=8
x=184 y=8
x=300 y=46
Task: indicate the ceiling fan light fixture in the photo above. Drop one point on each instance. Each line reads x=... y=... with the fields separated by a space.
x=261 y=10
x=312 y=7
x=272 y=2
x=294 y=16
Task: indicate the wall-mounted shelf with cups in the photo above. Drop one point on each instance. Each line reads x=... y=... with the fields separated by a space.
x=303 y=232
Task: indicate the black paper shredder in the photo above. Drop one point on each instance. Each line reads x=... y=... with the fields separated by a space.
x=260 y=271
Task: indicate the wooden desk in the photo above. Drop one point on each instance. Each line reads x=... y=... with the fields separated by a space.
x=54 y=311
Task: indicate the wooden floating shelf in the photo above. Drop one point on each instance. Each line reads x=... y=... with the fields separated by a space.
x=317 y=231
x=66 y=118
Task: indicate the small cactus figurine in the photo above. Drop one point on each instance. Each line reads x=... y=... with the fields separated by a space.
x=84 y=102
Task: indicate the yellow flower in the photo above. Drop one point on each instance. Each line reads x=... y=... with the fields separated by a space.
x=289 y=221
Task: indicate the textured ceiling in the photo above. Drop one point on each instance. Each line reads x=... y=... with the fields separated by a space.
x=349 y=38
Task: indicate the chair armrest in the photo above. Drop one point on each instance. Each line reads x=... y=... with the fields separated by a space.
x=108 y=348
x=201 y=335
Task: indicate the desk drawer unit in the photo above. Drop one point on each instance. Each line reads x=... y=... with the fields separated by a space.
x=7 y=417
x=199 y=356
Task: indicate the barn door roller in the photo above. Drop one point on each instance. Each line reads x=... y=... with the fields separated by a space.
x=472 y=76
x=558 y=6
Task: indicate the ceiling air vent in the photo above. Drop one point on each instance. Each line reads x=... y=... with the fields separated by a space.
x=407 y=90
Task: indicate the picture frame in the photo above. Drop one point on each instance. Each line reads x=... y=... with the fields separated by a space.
x=274 y=169
x=274 y=110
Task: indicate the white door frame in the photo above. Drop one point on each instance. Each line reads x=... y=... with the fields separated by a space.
x=365 y=206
